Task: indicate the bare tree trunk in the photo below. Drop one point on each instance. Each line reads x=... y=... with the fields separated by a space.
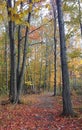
x=19 y=51
x=35 y=69
x=67 y=106
x=19 y=56
x=13 y=64
x=21 y=77
x=6 y=60
x=80 y=18
x=40 y=70
x=46 y=68
x=13 y=80
x=55 y=68
x=49 y=75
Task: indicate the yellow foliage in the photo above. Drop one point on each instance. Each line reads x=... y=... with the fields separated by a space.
x=1 y=17
x=74 y=65
x=17 y=3
x=30 y=7
x=36 y=10
x=45 y=20
x=26 y=24
x=47 y=6
x=25 y=12
x=35 y=1
x=28 y=83
x=3 y=5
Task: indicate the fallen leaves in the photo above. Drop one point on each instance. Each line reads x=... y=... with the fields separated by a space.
x=37 y=116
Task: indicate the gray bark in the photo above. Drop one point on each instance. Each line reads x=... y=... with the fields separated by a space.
x=19 y=55
x=21 y=77
x=19 y=51
x=49 y=75
x=40 y=70
x=6 y=60
x=16 y=72
x=13 y=81
x=55 y=68
x=46 y=67
x=80 y=18
x=67 y=106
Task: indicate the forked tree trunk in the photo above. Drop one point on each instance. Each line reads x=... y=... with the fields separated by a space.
x=67 y=106
x=21 y=76
x=16 y=72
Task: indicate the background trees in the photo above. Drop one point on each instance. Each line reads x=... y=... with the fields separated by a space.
x=28 y=53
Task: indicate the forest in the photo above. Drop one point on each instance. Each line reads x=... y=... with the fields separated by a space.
x=40 y=65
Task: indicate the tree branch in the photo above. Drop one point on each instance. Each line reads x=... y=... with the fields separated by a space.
x=37 y=28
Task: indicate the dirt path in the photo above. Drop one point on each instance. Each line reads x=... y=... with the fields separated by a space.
x=45 y=101
x=42 y=101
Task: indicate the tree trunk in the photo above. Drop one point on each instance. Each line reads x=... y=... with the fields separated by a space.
x=13 y=87
x=67 y=106
x=80 y=20
x=46 y=67
x=16 y=72
x=55 y=67
x=49 y=75
x=6 y=60
x=19 y=51
x=13 y=81
x=21 y=76
x=40 y=80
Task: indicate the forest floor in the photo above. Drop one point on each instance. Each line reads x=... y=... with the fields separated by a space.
x=40 y=112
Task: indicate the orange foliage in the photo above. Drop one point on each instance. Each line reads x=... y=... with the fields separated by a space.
x=35 y=35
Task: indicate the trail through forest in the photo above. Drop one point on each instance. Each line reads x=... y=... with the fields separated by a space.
x=40 y=112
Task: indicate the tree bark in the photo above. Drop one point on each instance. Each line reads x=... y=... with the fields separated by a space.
x=49 y=75
x=40 y=80
x=80 y=20
x=46 y=67
x=55 y=67
x=19 y=51
x=13 y=81
x=6 y=60
x=21 y=76
x=67 y=106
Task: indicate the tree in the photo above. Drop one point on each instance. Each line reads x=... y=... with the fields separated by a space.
x=67 y=105
x=80 y=20
x=17 y=71
x=13 y=81
x=55 y=57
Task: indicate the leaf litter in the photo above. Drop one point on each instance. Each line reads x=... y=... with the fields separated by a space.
x=42 y=113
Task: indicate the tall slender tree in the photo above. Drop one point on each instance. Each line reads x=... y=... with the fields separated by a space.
x=13 y=81
x=55 y=57
x=67 y=105
x=80 y=18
